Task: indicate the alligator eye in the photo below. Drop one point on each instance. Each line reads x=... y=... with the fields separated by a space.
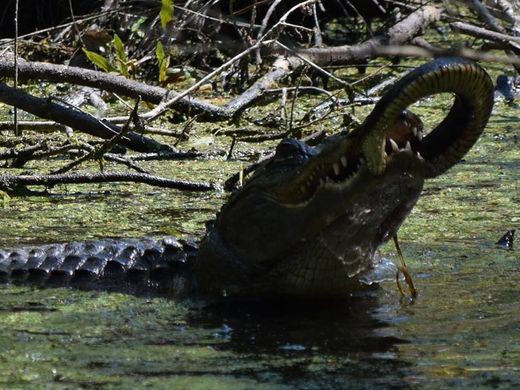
x=292 y=149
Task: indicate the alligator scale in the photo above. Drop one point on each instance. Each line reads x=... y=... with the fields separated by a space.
x=309 y=221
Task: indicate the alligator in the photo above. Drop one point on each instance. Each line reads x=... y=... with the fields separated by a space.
x=309 y=221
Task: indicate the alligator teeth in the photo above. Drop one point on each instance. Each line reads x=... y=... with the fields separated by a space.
x=322 y=181
x=394 y=145
x=419 y=135
x=408 y=147
x=414 y=131
x=336 y=169
x=344 y=161
x=419 y=156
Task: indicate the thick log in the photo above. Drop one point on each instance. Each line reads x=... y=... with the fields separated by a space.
x=45 y=108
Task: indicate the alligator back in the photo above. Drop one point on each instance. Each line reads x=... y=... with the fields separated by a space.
x=160 y=264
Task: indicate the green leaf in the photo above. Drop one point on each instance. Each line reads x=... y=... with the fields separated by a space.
x=99 y=60
x=5 y=198
x=137 y=27
x=122 y=59
x=120 y=49
x=159 y=52
x=163 y=61
x=166 y=12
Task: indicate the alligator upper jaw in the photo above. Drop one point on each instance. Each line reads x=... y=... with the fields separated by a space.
x=341 y=160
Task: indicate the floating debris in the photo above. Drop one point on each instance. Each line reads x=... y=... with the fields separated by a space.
x=506 y=241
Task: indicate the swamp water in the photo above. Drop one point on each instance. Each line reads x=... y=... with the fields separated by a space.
x=462 y=331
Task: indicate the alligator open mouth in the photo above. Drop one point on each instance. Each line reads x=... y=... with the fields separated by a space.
x=327 y=169
x=344 y=170
x=404 y=136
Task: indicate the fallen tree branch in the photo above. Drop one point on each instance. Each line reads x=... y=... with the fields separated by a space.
x=341 y=55
x=50 y=126
x=486 y=16
x=20 y=157
x=165 y=156
x=10 y=182
x=508 y=12
x=41 y=151
x=493 y=23
x=38 y=126
x=398 y=34
x=106 y=81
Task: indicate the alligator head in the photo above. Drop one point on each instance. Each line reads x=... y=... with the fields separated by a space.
x=309 y=221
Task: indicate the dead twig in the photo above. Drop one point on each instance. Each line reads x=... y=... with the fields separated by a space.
x=480 y=32
x=97 y=153
x=403 y=269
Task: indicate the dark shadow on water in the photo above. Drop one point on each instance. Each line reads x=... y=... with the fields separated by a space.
x=309 y=344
